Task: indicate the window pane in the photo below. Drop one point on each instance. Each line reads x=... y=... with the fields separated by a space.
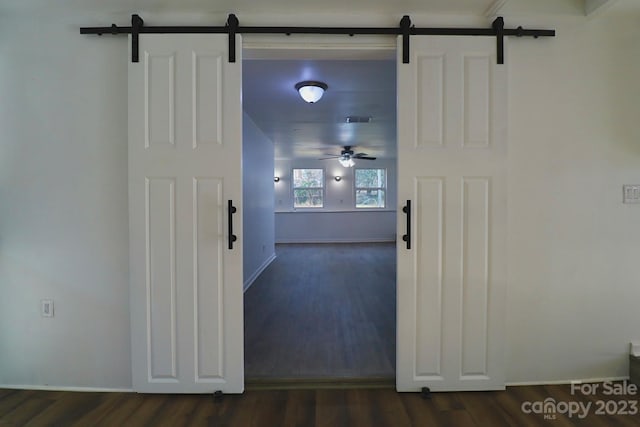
x=307 y=198
x=368 y=178
x=307 y=178
x=369 y=198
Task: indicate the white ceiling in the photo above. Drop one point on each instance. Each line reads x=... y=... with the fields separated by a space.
x=398 y=7
x=298 y=129
x=264 y=6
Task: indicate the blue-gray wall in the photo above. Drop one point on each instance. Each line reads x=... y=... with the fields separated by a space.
x=257 y=200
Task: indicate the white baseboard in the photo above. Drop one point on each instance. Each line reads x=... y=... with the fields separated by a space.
x=254 y=276
x=560 y=382
x=66 y=388
x=338 y=240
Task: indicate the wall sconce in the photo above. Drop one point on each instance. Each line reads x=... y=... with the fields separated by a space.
x=338 y=178
x=276 y=179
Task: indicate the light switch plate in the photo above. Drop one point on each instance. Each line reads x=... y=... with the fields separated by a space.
x=631 y=193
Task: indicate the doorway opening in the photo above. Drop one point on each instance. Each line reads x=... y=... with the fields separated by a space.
x=319 y=248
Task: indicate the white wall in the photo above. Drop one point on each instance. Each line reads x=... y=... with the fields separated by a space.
x=63 y=206
x=574 y=284
x=257 y=201
x=338 y=220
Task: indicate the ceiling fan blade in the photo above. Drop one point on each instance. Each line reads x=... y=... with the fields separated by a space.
x=360 y=155
x=366 y=158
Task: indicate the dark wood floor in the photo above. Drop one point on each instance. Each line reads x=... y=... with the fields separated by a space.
x=303 y=408
x=326 y=310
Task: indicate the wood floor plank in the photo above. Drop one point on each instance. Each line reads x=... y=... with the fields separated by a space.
x=125 y=408
x=271 y=406
x=300 y=408
x=63 y=411
x=511 y=404
x=388 y=408
x=236 y=411
x=447 y=401
x=419 y=410
x=146 y=410
x=174 y=412
x=13 y=398
x=24 y=413
x=202 y=409
x=456 y=418
x=360 y=413
x=331 y=408
x=107 y=404
x=486 y=411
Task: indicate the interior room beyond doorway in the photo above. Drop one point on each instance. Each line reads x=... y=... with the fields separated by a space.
x=325 y=307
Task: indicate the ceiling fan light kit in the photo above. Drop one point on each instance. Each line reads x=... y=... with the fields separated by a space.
x=347 y=157
x=311 y=91
x=347 y=161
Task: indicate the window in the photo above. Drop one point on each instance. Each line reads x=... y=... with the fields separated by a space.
x=308 y=188
x=371 y=187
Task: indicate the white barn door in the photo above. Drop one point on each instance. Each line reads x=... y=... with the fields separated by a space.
x=185 y=144
x=452 y=147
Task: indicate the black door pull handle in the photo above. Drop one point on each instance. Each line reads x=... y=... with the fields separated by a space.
x=231 y=210
x=407 y=237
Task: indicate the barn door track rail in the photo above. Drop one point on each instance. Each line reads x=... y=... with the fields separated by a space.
x=405 y=29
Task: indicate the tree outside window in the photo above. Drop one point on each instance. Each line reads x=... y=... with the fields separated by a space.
x=308 y=188
x=370 y=186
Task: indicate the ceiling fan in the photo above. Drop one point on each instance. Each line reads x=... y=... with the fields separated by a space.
x=347 y=156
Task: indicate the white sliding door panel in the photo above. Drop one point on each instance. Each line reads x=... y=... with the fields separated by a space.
x=185 y=145
x=452 y=166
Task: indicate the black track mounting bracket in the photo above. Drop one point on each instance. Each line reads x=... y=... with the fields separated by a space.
x=136 y=25
x=232 y=25
x=498 y=26
x=405 y=29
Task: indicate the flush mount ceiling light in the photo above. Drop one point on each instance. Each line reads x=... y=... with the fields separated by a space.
x=311 y=91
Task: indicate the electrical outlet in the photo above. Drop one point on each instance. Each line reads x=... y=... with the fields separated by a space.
x=631 y=193
x=46 y=308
